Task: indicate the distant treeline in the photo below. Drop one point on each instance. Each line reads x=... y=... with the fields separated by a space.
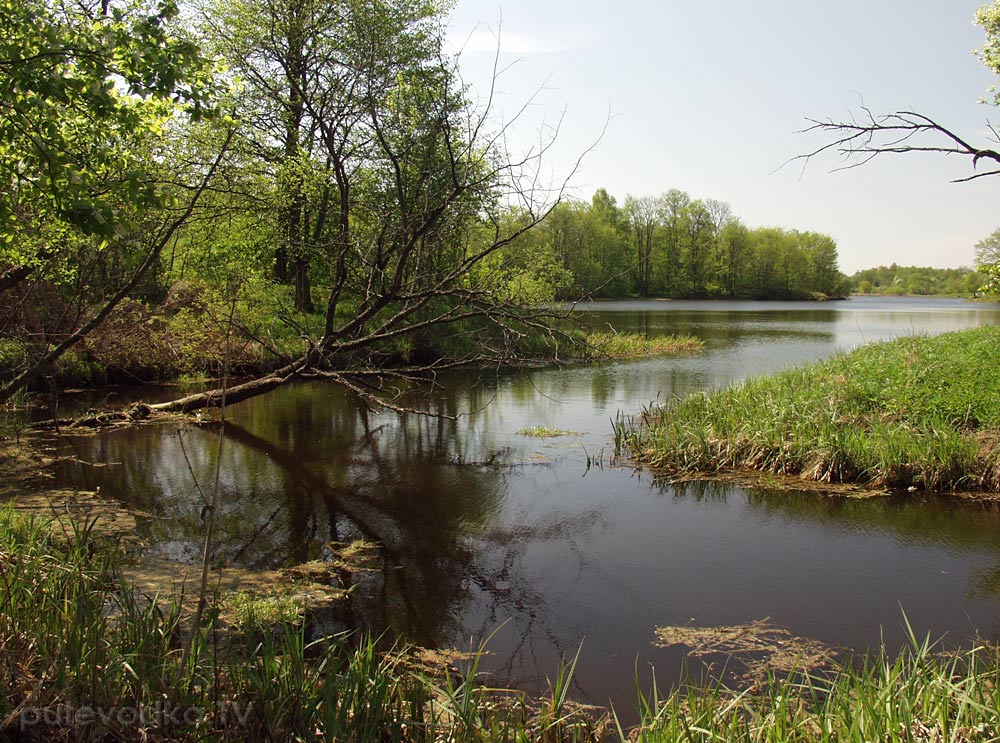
x=901 y=280
x=671 y=246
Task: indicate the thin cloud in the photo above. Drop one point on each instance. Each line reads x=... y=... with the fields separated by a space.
x=486 y=41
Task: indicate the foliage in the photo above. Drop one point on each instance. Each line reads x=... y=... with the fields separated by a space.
x=349 y=162
x=183 y=336
x=352 y=209
x=917 y=412
x=96 y=95
x=988 y=257
x=673 y=246
x=988 y=18
x=12 y=354
x=83 y=85
x=991 y=279
x=901 y=280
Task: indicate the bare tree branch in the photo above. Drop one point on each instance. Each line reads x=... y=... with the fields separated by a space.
x=858 y=142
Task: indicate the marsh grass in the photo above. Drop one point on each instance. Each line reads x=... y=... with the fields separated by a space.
x=921 y=695
x=620 y=346
x=919 y=412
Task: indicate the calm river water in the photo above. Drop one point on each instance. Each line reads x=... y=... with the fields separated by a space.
x=484 y=530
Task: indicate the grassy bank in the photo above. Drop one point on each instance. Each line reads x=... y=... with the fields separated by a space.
x=84 y=657
x=911 y=413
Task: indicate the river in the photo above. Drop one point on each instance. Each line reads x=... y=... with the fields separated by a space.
x=484 y=531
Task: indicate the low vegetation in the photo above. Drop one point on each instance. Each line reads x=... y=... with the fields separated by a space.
x=636 y=345
x=185 y=337
x=920 y=412
x=85 y=657
x=917 y=696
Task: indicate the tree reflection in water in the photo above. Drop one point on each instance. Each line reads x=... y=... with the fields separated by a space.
x=302 y=473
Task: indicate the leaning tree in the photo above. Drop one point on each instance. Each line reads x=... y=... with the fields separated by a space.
x=394 y=194
x=389 y=193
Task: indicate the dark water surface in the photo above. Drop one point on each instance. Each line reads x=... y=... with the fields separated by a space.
x=483 y=528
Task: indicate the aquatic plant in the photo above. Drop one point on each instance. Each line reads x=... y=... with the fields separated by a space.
x=920 y=695
x=544 y=432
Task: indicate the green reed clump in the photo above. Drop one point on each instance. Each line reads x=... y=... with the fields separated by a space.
x=919 y=412
x=70 y=637
x=636 y=345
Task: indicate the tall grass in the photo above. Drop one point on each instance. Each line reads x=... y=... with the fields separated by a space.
x=912 y=413
x=85 y=657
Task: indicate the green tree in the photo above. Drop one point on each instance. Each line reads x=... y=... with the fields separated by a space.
x=672 y=212
x=699 y=240
x=90 y=97
x=735 y=251
x=642 y=217
x=823 y=263
x=390 y=194
x=988 y=249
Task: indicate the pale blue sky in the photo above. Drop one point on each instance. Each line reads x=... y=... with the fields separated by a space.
x=708 y=96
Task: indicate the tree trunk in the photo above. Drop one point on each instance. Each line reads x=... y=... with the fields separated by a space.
x=237 y=393
x=303 y=293
x=281 y=265
x=14 y=276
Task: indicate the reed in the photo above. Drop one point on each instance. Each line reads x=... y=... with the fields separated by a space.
x=84 y=657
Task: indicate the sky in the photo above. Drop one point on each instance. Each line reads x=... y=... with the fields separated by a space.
x=712 y=98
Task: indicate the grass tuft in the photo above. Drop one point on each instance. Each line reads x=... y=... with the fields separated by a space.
x=636 y=345
x=918 y=696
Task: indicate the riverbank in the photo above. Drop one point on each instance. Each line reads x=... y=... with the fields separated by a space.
x=89 y=657
x=185 y=340
x=918 y=413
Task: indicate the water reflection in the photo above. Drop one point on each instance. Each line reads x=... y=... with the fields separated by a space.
x=479 y=527
x=312 y=465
